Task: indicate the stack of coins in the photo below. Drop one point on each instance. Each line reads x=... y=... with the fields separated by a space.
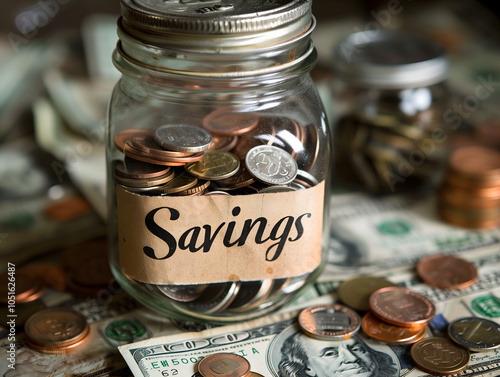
x=231 y=153
x=470 y=194
x=397 y=315
x=56 y=330
x=388 y=151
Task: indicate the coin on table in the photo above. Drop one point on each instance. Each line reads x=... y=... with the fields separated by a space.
x=224 y=365
x=183 y=138
x=387 y=333
x=439 y=356
x=230 y=121
x=475 y=334
x=215 y=165
x=447 y=271
x=329 y=322
x=271 y=165
x=356 y=292
x=401 y=307
x=27 y=288
x=56 y=330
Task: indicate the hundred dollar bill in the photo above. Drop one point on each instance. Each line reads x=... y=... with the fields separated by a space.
x=276 y=347
x=369 y=234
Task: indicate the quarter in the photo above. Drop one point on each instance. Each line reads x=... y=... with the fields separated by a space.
x=271 y=165
x=329 y=322
x=475 y=334
x=183 y=138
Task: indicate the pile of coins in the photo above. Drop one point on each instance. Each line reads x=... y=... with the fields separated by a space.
x=225 y=365
x=231 y=153
x=389 y=150
x=56 y=330
x=470 y=194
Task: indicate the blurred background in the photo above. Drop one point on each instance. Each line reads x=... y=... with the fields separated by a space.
x=57 y=76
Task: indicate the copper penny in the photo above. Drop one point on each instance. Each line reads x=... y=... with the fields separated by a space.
x=469 y=199
x=67 y=209
x=224 y=143
x=52 y=275
x=24 y=287
x=230 y=121
x=439 y=356
x=464 y=221
x=329 y=322
x=56 y=330
x=133 y=169
x=144 y=182
x=122 y=137
x=144 y=143
x=224 y=365
x=447 y=271
x=476 y=162
x=385 y=332
x=160 y=160
x=401 y=307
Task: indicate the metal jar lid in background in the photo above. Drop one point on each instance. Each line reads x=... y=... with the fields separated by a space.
x=388 y=59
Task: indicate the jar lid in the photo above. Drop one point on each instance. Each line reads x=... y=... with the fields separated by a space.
x=390 y=59
x=212 y=17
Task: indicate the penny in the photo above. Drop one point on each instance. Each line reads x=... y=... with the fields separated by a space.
x=67 y=209
x=476 y=162
x=230 y=121
x=439 y=356
x=215 y=165
x=56 y=330
x=289 y=134
x=356 y=292
x=469 y=198
x=161 y=160
x=24 y=287
x=143 y=183
x=329 y=322
x=401 y=307
x=308 y=157
x=133 y=169
x=447 y=271
x=263 y=134
x=184 y=293
x=271 y=165
x=224 y=143
x=224 y=365
x=144 y=143
x=475 y=334
x=52 y=275
x=387 y=333
x=183 y=138
x=254 y=374
x=463 y=220
x=122 y=137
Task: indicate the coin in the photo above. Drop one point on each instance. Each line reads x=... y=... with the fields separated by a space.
x=356 y=292
x=224 y=365
x=439 y=356
x=52 y=275
x=215 y=297
x=329 y=322
x=271 y=165
x=387 y=333
x=467 y=220
x=27 y=288
x=277 y=189
x=475 y=334
x=223 y=143
x=215 y=165
x=401 y=307
x=476 y=162
x=183 y=138
x=144 y=183
x=198 y=189
x=184 y=293
x=122 y=137
x=241 y=179
x=216 y=193
x=144 y=144
x=447 y=271
x=133 y=169
x=251 y=294
x=230 y=121
x=180 y=183
x=56 y=330
x=67 y=209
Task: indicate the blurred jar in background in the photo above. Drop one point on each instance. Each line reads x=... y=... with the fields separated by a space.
x=389 y=96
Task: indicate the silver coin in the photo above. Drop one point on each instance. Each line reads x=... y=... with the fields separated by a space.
x=215 y=193
x=183 y=138
x=475 y=334
x=271 y=165
x=183 y=293
x=215 y=298
x=251 y=294
x=277 y=188
x=307 y=178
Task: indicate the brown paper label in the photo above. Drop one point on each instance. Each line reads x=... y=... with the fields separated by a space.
x=208 y=239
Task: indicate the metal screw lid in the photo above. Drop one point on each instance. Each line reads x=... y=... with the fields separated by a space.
x=212 y=17
x=387 y=59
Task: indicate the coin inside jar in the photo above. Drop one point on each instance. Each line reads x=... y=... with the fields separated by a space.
x=224 y=365
x=215 y=165
x=271 y=165
x=183 y=138
x=329 y=322
x=230 y=121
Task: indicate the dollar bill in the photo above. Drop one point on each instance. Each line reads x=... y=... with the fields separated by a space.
x=370 y=234
x=271 y=344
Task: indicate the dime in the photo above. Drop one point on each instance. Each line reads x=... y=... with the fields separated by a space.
x=183 y=138
x=401 y=307
x=215 y=165
x=475 y=334
x=133 y=169
x=224 y=365
x=439 y=356
x=329 y=322
x=356 y=292
x=230 y=121
x=271 y=165
x=184 y=293
x=56 y=330
x=387 y=333
x=447 y=271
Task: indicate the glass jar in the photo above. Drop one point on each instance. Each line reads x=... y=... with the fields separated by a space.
x=389 y=96
x=218 y=157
